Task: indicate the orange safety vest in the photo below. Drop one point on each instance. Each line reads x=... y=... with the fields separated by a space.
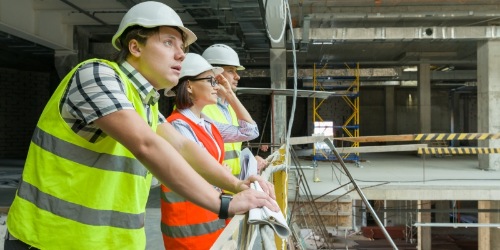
x=185 y=225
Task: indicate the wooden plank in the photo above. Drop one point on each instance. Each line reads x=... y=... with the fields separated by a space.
x=378 y=138
x=375 y=138
x=307 y=139
x=379 y=149
x=369 y=149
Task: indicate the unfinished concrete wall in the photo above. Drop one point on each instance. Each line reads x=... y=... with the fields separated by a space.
x=23 y=97
x=372 y=111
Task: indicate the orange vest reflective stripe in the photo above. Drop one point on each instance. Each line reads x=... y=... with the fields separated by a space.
x=185 y=225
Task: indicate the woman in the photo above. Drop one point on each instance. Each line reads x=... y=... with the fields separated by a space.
x=184 y=224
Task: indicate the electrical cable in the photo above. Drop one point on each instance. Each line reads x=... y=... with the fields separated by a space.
x=294 y=102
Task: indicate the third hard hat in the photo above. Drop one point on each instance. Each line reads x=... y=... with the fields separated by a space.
x=221 y=54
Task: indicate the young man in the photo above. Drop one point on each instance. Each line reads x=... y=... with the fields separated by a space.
x=101 y=138
x=221 y=55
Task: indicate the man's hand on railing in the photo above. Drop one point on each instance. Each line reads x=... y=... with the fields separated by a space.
x=244 y=201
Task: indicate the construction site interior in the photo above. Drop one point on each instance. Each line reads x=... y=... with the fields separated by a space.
x=382 y=116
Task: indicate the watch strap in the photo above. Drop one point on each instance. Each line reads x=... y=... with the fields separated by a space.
x=225 y=199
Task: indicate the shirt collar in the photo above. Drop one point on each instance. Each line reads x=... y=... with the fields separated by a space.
x=223 y=103
x=189 y=114
x=148 y=93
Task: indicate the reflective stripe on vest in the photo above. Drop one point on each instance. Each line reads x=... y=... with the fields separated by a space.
x=231 y=155
x=192 y=230
x=233 y=149
x=85 y=215
x=80 y=195
x=87 y=157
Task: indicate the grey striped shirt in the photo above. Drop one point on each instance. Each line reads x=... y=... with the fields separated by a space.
x=95 y=91
x=230 y=133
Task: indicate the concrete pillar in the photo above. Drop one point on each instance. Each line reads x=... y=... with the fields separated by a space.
x=455 y=116
x=495 y=231
x=488 y=98
x=390 y=111
x=441 y=216
x=278 y=81
x=424 y=97
x=424 y=233
x=483 y=233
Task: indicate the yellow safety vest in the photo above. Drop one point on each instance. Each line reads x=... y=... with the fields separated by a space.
x=75 y=194
x=232 y=149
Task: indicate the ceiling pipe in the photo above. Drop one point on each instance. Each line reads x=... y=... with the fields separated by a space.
x=427 y=15
x=84 y=12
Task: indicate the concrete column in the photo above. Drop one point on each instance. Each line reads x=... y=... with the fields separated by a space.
x=441 y=216
x=483 y=233
x=424 y=233
x=424 y=97
x=455 y=115
x=278 y=81
x=495 y=231
x=488 y=98
x=394 y=215
x=390 y=111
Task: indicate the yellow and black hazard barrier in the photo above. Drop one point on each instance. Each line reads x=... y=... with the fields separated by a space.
x=455 y=136
x=459 y=151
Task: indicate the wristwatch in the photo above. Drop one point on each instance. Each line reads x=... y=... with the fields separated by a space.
x=224 y=205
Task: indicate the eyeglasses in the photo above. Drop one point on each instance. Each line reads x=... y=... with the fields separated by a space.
x=212 y=79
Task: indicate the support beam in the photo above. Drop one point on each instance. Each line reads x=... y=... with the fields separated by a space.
x=488 y=99
x=424 y=97
x=424 y=233
x=398 y=34
x=483 y=234
x=278 y=81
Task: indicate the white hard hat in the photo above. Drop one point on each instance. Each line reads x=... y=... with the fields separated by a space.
x=152 y=14
x=195 y=64
x=220 y=54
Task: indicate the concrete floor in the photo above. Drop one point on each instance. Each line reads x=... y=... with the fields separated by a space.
x=407 y=176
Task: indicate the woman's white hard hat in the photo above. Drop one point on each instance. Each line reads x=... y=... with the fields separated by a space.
x=221 y=54
x=151 y=14
x=195 y=64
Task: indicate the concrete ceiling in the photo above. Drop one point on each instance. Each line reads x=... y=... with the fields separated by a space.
x=382 y=35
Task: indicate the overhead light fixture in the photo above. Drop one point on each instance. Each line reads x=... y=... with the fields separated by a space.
x=322 y=42
x=448 y=68
x=410 y=68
